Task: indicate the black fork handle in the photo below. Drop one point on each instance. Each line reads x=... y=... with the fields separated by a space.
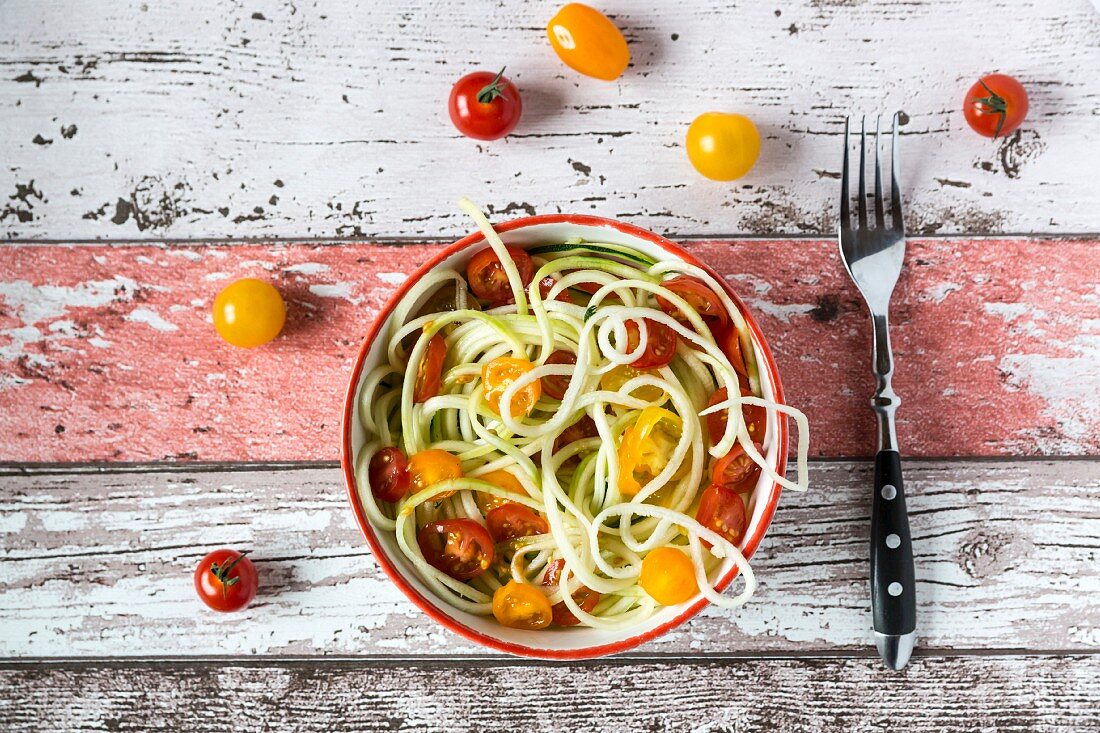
x=893 y=587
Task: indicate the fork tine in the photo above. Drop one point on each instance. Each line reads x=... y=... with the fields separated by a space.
x=880 y=217
x=896 y=218
x=845 y=213
x=862 y=208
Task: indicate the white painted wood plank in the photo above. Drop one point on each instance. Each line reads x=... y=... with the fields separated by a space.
x=99 y=564
x=127 y=119
x=1005 y=694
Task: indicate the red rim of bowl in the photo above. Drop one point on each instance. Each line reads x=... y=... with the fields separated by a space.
x=347 y=459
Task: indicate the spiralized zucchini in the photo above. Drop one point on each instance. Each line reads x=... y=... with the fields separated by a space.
x=602 y=535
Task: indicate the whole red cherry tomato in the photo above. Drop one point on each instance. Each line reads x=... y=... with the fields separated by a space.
x=995 y=105
x=389 y=474
x=226 y=580
x=485 y=106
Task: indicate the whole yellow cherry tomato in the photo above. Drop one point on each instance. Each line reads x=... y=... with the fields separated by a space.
x=522 y=606
x=249 y=313
x=723 y=146
x=588 y=42
x=668 y=576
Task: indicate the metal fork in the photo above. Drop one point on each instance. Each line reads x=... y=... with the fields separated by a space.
x=873 y=257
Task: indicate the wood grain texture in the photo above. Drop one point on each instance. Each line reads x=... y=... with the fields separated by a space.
x=127 y=119
x=1005 y=694
x=99 y=564
x=107 y=353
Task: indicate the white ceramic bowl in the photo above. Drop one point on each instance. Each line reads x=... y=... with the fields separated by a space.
x=576 y=642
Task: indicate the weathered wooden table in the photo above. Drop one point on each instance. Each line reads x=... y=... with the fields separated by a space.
x=151 y=153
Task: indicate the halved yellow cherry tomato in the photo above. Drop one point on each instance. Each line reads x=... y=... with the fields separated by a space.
x=723 y=146
x=646 y=447
x=249 y=313
x=614 y=380
x=586 y=41
x=487 y=502
x=668 y=576
x=522 y=606
x=499 y=374
x=429 y=467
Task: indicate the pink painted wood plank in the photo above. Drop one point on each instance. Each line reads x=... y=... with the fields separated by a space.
x=107 y=353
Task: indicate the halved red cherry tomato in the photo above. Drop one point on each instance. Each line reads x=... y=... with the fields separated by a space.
x=646 y=447
x=514 y=520
x=660 y=344
x=429 y=374
x=488 y=279
x=995 y=105
x=584 y=596
x=484 y=105
x=554 y=385
x=547 y=284
x=722 y=510
x=226 y=580
x=429 y=467
x=521 y=606
x=698 y=295
x=736 y=470
x=499 y=374
x=460 y=548
x=389 y=474
x=756 y=417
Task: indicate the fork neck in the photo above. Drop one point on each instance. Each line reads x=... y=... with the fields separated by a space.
x=885 y=402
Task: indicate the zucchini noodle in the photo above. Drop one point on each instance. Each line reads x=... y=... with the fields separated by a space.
x=599 y=521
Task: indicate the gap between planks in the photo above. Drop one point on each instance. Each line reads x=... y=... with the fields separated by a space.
x=8 y=468
x=442 y=241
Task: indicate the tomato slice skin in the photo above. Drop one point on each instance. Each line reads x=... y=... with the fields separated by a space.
x=521 y=606
x=461 y=548
x=487 y=277
x=584 y=596
x=484 y=120
x=429 y=375
x=736 y=470
x=698 y=295
x=514 y=520
x=660 y=344
x=756 y=417
x=554 y=385
x=722 y=510
x=388 y=473
x=729 y=341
